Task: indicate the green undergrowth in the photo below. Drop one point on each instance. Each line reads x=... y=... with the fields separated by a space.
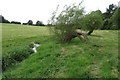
x=96 y=58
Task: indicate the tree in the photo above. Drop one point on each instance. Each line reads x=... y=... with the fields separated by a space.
x=39 y=23
x=109 y=11
x=3 y=20
x=30 y=22
x=67 y=22
x=15 y=22
x=115 y=19
x=106 y=24
x=92 y=21
x=24 y=23
x=107 y=15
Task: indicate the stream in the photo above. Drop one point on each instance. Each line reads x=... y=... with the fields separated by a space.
x=35 y=47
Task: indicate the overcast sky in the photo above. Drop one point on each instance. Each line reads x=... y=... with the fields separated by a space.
x=24 y=10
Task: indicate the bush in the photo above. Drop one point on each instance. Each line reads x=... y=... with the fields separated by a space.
x=15 y=55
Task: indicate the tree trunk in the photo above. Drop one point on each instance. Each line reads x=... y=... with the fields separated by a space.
x=85 y=38
x=89 y=33
x=68 y=38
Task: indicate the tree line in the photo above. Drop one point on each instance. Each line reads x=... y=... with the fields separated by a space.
x=30 y=22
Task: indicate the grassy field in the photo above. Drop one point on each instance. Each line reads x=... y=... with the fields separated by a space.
x=97 y=58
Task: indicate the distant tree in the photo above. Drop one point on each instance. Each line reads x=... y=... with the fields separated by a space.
x=25 y=23
x=107 y=15
x=3 y=20
x=109 y=11
x=15 y=22
x=39 y=23
x=92 y=21
x=30 y=22
x=111 y=17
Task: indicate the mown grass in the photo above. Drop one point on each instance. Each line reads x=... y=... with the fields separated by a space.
x=15 y=35
x=97 y=58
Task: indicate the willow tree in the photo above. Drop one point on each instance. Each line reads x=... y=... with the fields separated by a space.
x=92 y=21
x=67 y=22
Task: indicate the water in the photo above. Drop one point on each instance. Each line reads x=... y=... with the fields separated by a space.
x=35 y=47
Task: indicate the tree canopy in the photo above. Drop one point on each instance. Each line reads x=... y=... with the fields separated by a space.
x=92 y=21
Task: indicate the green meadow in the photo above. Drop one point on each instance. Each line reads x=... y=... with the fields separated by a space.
x=96 y=58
